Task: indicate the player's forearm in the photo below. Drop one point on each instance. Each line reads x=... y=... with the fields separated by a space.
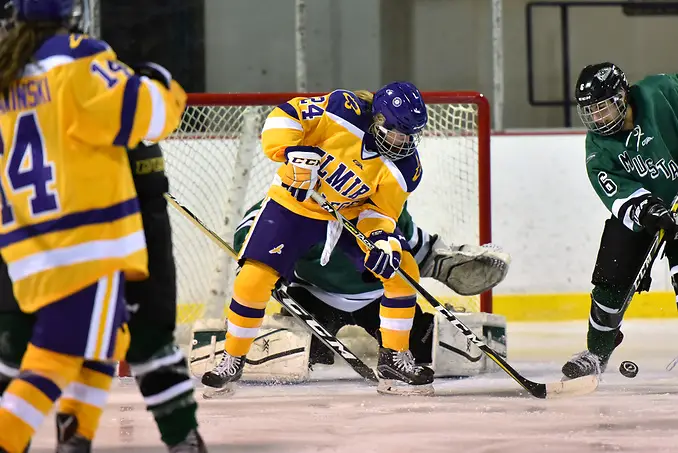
x=619 y=193
x=158 y=111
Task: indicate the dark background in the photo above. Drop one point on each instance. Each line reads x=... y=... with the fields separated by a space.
x=168 y=32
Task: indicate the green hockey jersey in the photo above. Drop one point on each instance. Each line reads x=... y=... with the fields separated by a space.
x=338 y=283
x=627 y=167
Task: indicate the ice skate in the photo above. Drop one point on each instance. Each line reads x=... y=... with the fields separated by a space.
x=587 y=363
x=220 y=381
x=192 y=444
x=399 y=375
x=68 y=440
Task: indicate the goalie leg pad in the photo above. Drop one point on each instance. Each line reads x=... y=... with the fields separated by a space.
x=454 y=355
x=466 y=269
x=279 y=353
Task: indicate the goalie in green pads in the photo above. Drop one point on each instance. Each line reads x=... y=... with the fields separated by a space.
x=337 y=295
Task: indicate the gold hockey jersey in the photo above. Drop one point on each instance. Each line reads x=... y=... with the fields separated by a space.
x=353 y=176
x=70 y=213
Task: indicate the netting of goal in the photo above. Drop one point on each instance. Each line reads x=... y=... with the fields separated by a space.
x=217 y=169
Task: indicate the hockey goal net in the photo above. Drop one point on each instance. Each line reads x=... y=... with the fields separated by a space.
x=217 y=169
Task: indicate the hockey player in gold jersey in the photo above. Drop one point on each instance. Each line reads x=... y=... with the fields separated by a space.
x=359 y=151
x=70 y=228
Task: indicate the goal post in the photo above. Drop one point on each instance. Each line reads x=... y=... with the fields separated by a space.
x=216 y=167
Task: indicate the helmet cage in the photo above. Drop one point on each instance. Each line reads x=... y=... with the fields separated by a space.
x=392 y=144
x=605 y=117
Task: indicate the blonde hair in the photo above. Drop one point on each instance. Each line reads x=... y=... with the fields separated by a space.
x=365 y=95
x=18 y=47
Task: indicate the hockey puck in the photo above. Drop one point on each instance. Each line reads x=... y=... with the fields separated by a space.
x=628 y=369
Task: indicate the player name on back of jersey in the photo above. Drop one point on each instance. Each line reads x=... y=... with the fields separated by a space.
x=27 y=94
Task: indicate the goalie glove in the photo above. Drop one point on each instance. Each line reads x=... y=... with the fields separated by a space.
x=465 y=269
x=301 y=170
x=384 y=259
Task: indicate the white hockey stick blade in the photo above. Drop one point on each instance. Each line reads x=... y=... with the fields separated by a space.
x=573 y=387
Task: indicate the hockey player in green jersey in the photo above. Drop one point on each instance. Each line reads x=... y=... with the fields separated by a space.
x=632 y=163
x=338 y=295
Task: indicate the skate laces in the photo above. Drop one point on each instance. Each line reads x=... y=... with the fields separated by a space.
x=229 y=365
x=404 y=360
x=588 y=360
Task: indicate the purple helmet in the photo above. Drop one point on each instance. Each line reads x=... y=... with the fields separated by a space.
x=75 y=14
x=400 y=117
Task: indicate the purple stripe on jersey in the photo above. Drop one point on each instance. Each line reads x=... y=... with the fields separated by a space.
x=67 y=222
x=46 y=386
x=287 y=108
x=405 y=302
x=246 y=312
x=128 y=111
x=62 y=45
x=100 y=367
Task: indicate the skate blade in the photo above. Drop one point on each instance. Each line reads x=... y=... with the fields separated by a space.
x=216 y=393
x=394 y=387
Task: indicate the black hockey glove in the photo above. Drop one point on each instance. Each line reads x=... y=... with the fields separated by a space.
x=654 y=217
x=153 y=71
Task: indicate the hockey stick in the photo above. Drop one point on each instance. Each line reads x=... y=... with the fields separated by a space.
x=578 y=386
x=280 y=295
x=646 y=265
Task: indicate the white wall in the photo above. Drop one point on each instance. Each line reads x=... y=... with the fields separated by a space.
x=546 y=214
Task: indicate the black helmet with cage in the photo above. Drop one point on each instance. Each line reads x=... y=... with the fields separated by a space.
x=601 y=98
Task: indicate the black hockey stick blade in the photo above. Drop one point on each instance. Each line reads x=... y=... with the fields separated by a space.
x=326 y=338
x=280 y=294
x=578 y=386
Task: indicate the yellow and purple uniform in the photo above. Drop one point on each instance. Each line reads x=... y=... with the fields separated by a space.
x=351 y=171
x=366 y=188
x=70 y=226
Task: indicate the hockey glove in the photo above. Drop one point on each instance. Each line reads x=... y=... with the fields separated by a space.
x=154 y=72
x=384 y=259
x=301 y=170
x=466 y=269
x=654 y=217
x=161 y=75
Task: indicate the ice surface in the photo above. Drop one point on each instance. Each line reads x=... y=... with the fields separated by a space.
x=486 y=414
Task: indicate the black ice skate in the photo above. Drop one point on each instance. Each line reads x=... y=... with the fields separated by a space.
x=192 y=444
x=399 y=375
x=587 y=363
x=68 y=440
x=221 y=379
